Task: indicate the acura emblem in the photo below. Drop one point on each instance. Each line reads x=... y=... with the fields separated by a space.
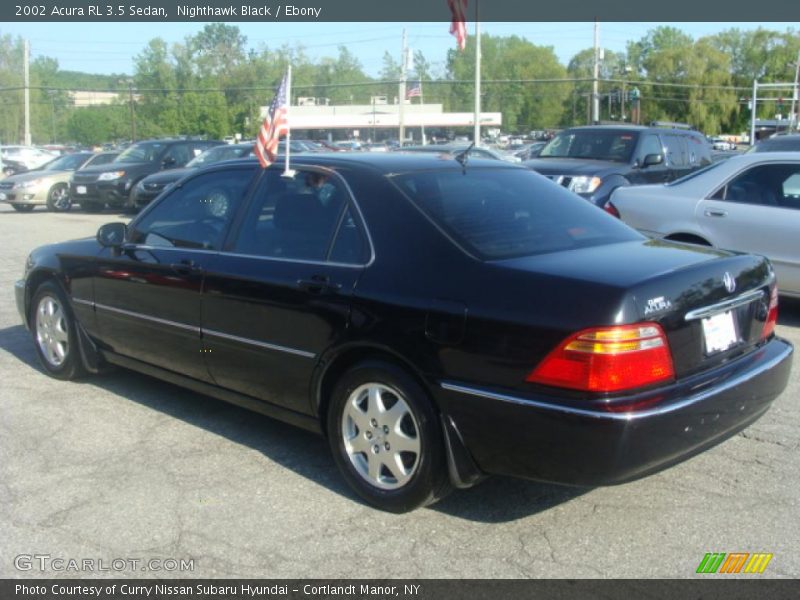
x=729 y=281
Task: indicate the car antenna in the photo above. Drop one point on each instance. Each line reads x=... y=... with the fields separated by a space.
x=463 y=156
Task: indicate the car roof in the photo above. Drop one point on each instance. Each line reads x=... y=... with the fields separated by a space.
x=749 y=157
x=629 y=128
x=384 y=162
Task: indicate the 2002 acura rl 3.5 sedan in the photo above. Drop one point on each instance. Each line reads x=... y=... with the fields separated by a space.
x=438 y=319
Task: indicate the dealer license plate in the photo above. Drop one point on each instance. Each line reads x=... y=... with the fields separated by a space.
x=719 y=332
x=80 y=189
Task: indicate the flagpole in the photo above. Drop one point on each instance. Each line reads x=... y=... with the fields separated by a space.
x=287 y=172
x=422 y=115
x=476 y=134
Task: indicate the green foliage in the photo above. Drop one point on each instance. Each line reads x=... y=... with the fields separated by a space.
x=211 y=84
x=524 y=105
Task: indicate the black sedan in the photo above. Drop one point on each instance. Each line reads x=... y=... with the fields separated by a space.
x=438 y=320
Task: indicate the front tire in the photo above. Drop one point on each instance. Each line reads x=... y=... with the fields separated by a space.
x=54 y=333
x=386 y=438
x=58 y=199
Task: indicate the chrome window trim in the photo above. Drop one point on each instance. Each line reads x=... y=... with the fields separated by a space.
x=252 y=342
x=158 y=320
x=725 y=305
x=201 y=332
x=628 y=416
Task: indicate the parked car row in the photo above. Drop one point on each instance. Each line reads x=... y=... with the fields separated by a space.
x=49 y=184
x=523 y=331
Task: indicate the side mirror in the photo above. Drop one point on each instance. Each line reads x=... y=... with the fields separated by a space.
x=112 y=235
x=653 y=159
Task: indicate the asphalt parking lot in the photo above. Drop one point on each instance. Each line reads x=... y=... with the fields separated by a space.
x=122 y=466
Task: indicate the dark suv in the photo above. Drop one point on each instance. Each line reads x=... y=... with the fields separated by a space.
x=111 y=184
x=593 y=161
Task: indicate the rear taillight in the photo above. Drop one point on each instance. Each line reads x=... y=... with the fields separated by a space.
x=772 y=315
x=611 y=209
x=608 y=359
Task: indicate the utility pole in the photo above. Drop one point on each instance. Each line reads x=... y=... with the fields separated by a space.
x=793 y=117
x=596 y=74
x=26 y=57
x=133 y=112
x=402 y=98
x=753 y=113
x=476 y=131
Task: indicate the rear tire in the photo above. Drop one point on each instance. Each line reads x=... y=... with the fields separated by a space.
x=58 y=199
x=54 y=335
x=23 y=207
x=386 y=438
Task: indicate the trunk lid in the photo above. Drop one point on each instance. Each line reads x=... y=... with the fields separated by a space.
x=711 y=304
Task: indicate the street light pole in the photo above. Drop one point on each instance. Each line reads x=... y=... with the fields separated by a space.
x=793 y=124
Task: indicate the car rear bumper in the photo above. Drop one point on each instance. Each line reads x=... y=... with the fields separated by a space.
x=533 y=437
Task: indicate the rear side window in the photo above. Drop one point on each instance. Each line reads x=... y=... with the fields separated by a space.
x=305 y=217
x=504 y=213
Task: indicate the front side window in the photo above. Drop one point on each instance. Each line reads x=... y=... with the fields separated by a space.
x=178 y=155
x=651 y=145
x=298 y=218
x=676 y=151
x=142 y=152
x=616 y=146
x=196 y=214
x=503 y=213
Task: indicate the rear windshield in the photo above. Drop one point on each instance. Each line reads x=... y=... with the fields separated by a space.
x=615 y=146
x=777 y=145
x=504 y=213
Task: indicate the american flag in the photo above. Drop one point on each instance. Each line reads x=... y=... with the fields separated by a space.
x=275 y=124
x=415 y=90
x=458 y=25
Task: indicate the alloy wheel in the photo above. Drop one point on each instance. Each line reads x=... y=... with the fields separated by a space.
x=381 y=436
x=52 y=333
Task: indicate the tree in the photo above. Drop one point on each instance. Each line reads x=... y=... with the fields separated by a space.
x=523 y=105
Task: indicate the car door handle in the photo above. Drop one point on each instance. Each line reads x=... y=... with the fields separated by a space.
x=186 y=267
x=716 y=212
x=318 y=284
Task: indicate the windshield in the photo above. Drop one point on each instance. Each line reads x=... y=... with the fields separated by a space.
x=68 y=162
x=617 y=146
x=219 y=153
x=145 y=152
x=503 y=213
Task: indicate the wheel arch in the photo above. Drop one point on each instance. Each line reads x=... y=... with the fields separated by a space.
x=336 y=364
x=462 y=469
x=688 y=238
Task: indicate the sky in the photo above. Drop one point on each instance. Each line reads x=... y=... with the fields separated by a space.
x=110 y=47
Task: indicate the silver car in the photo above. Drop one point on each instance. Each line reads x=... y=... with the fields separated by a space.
x=748 y=203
